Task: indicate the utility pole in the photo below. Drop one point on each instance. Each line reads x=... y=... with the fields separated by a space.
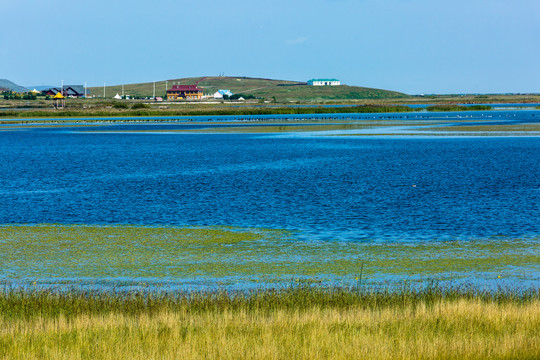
x=122 y=90
x=62 y=91
x=104 y=89
x=154 y=96
x=85 y=89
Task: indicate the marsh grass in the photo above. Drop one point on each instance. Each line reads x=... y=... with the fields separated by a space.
x=304 y=319
x=296 y=322
x=202 y=110
x=455 y=107
x=28 y=302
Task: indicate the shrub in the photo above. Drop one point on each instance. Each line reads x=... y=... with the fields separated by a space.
x=120 y=105
x=140 y=106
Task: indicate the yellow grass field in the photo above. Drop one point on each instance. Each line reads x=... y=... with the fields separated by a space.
x=448 y=329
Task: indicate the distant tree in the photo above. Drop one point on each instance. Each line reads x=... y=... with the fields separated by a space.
x=120 y=105
x=8 y=95
x=12 y=95
x=140 y=106
x=238 y=96
x=29 y=96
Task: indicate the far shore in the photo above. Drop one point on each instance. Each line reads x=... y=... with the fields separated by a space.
x=100 y=107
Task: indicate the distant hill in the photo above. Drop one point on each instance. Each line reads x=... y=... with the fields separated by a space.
x=282 y=90
x=6 y=84
x=42 y=87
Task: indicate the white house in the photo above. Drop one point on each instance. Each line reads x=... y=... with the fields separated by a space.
x=219 y=94
x=324 y=82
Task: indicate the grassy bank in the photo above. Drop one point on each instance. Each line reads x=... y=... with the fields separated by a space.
x=61 y=308
x=201 y=111
x=292 y=323
x=454 y=107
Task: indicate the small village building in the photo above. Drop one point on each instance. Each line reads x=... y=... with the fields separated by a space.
x=324 y=82
x=187 y=92
x=73 y=91
x=117 y=97
x=220 y=93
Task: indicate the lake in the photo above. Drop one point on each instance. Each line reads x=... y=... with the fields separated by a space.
x=371 y=191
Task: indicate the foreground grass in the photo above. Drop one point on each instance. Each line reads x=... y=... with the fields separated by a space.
x=292 y=323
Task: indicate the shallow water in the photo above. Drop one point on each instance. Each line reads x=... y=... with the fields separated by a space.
x=194 y=257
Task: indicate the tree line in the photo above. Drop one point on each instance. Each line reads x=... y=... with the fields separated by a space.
x=12 y=95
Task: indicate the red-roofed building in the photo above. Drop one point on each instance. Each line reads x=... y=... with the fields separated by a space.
x=188 y=92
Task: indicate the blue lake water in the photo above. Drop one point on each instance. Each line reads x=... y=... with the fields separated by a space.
x=372 y=189
x=323 y=187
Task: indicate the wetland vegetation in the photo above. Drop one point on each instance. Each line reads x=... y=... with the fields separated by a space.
x=238 y=258
x=54 y=303
x=138 y=109
x=296 y=322
x=132 y=291
x=455 y=107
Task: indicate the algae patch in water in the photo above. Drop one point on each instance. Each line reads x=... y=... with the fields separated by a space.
x=75 y=253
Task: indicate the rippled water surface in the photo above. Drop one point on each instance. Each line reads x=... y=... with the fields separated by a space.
x=324 y=187
x=331 y=190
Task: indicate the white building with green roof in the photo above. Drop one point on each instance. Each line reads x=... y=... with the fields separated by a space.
x=324 y=82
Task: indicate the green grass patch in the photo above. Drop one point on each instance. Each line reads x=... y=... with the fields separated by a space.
x=292 y=323
x=33 y=302
x=453 y=107
x=228 y=256
x=137 y=110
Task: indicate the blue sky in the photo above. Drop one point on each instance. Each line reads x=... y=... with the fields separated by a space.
x=413 y=46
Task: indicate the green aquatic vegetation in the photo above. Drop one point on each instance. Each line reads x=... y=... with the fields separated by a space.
x=455 y=107
x=198 y=255
x=47 y=302
x=203 y=110
x=287 y=128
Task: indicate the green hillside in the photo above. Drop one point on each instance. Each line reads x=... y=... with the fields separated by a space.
x=10 y=85
x=282 y=90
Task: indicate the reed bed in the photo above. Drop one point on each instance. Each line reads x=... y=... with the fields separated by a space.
x=295 y=322
x=455 y=107
x=79 y=292
x=202 y=111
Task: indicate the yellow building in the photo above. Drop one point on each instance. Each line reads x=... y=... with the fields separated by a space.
x=186 y=92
